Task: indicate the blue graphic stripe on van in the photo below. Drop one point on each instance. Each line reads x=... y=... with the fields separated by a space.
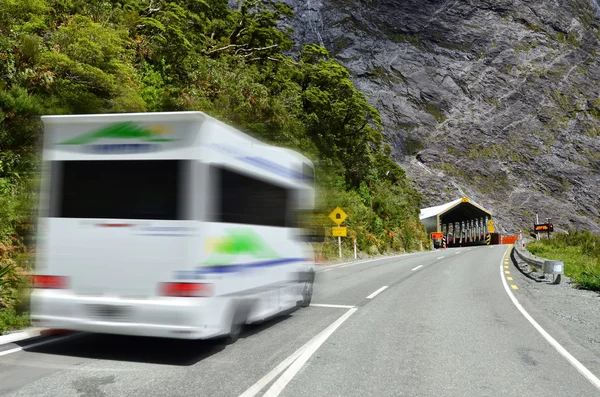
x=259 y=162
x=166 y=234
x=275 y=168
x=201 y=272
x=242 y=266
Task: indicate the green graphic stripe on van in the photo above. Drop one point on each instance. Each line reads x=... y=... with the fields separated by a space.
x=124 y=130
x=239 y=242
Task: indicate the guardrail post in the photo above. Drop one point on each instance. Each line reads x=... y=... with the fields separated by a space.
x=556 y=268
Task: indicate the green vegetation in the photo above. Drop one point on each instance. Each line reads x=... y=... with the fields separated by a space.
x=580 y=251
x=380 y=73
x=452 y=151
x=570 y=38
x=412 y=38
x=524 y=47
x=436 y=112
x=93 y=56
x=498 y=151
x=10 y=320
x=413 y=146
x=532 y=27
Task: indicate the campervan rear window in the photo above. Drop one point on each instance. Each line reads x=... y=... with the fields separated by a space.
x=123 y=189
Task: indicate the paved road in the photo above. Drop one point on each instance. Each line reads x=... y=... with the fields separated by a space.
x=431 y=324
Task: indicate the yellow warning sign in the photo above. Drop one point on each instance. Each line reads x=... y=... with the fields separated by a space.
x=338 y=216
x=490 y=226
x=339 y=231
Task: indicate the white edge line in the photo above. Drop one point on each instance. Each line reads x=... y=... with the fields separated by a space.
x=265 y=380
x=347 y=264
x=374 y=294
x=15 y=337
x=572 y=360
x=289 y=374
x=415 y=268
x=27 y=333
x=18 y=349
x=334 y=306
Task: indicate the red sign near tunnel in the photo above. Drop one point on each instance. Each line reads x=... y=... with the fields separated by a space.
x=437 y=236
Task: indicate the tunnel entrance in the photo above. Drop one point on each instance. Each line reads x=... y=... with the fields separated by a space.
x=461 y=222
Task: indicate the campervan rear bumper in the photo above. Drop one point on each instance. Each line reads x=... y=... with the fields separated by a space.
x=180 y=318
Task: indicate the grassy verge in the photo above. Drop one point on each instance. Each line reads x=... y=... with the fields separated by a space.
x=580 y=251
x=15 y=272
x=11 y=320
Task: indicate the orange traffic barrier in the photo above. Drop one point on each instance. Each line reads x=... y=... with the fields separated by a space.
x=509 y=239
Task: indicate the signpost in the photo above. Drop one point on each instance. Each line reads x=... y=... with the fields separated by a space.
x=436 y=236
x=338 y=216
x=490 y=226
x=543 y=227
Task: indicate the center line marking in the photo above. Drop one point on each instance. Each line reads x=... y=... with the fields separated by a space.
x=441 y=257
x=415 y=268
x=334 y=306
x=374 y=294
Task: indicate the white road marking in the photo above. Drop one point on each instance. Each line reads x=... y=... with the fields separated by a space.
x=18 y=349
x=563 y=352
x=415 y=268
x=288 y=375
x=347 y=264
x=374 y=294
x=441 y=257
x=334 y=306
x=456 y=253
x=265 y=380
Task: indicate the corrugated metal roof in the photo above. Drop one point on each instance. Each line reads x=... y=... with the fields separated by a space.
x=440 y=209
x=434 y=211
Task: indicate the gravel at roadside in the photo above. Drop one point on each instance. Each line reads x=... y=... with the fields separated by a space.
x=576 y=310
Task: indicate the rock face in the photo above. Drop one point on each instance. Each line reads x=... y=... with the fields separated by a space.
x=497 y=100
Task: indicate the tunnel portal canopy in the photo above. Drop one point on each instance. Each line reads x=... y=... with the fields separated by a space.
x=458 y=210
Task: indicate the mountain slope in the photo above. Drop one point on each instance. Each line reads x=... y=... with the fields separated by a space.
x=494 y=99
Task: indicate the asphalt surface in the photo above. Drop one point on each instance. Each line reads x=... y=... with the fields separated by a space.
x=430 y=324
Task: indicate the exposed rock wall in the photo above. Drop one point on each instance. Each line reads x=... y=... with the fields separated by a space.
x=494 y=99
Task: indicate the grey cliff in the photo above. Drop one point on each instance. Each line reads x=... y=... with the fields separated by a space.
x=494 y=100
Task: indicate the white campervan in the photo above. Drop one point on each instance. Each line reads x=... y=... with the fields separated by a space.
x=168 y=224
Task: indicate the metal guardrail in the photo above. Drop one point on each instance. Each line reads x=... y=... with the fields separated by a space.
x=556 y=268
